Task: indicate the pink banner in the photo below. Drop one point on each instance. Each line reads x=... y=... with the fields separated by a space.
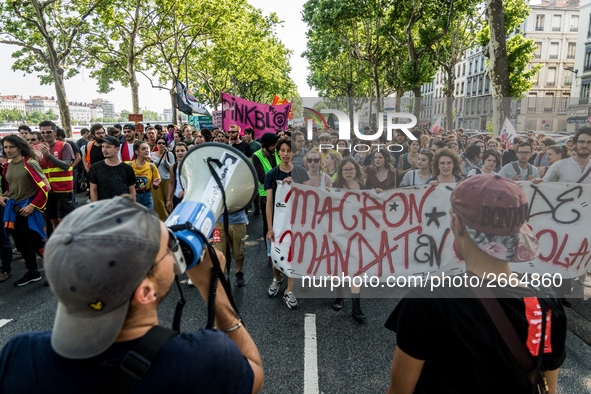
x=262 y=118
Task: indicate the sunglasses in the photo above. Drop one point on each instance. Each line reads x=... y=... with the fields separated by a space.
x=47 y=132
x=160 y=143
x=32 y=140
x=313 y=160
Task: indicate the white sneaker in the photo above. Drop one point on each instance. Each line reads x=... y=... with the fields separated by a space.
x=274 y=288
x=290 y=300
x=585 y=280
x=190 y=283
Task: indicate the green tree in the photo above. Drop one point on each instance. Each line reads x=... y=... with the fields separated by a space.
x=418 y=25
x=11 y=115
x=46 y=33
x=243 y=57
x=461 y=36
x=150 y=115
x=358 y=26
x=508 y=59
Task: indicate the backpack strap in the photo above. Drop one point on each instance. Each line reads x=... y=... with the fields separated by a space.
x=585 y=175
x=137 y=361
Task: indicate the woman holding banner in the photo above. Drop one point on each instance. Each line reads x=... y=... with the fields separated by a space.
x=350 y=177
x=447 y=167
x=381 y=173
x=286 y=172
x=313 y=164
x=422 y=174
x=331 y=164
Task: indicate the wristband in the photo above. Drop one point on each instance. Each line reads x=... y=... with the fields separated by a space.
x=237 y=326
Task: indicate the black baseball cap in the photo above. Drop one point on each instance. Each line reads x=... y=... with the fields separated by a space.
x=111 y=141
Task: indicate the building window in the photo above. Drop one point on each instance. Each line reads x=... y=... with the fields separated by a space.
x=462 y=87
x=574 y=23
x=564 y=100
x=589 y=28
x=551 y=76
x=531 y=102
x=470 y=68
x=568 y=78
x=549 y=102
x=556 y=22
x=538 y=50
x=571 y=50
x=464 y=69
x=553 y=54
x=539 y=22
x=587 y=59
x=584 y=93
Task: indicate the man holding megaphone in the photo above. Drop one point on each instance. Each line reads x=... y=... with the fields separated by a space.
x=107 y=315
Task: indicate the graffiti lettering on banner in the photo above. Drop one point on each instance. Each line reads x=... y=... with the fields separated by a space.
x=407 y=231
x=262 y=118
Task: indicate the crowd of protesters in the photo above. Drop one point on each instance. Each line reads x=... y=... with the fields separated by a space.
x=42 y=172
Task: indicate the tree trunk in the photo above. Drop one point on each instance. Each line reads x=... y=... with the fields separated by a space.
x=62 y=100
x=416 y=107
x=174 y=110
x=398 y=102
x=350 y=113
x=498 y=71
x=449 y=98
x=134 y=86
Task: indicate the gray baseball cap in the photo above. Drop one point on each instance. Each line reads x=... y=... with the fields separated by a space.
x=94 y=261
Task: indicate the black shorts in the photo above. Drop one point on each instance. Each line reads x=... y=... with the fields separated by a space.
x=59 y=205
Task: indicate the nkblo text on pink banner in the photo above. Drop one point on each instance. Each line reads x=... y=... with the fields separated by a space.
x=262 y=118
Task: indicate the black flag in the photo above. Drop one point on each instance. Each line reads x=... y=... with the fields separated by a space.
x=185 y=102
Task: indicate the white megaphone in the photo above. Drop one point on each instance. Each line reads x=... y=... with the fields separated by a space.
x=202 y=202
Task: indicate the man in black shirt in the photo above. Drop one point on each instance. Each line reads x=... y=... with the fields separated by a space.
x=92 y=152
x=447 y=340
x=510 y=155
x=110 y=177
x=237 y=143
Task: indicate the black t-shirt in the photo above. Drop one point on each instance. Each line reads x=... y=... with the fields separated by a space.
x=298 y=174
x=96 y=153
x=462 y=349
x=244 y=147
x=111 y=181
x=508 y=156
x=203 y=361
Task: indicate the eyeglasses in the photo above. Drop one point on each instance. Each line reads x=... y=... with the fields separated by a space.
x=524 y=153
x=46 y=131
x=172 y=246
x=313 y=160
x=160 y=143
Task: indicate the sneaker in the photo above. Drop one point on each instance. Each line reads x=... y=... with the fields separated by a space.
x=15 y=251
x=585 y=280
x=290 y=300
x=239 y=279
x=274 y=288
x=28 y=278
x=190 y=282
x=4 y=276
x=338 y=304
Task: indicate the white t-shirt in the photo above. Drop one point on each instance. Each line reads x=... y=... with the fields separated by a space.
x=567 y=170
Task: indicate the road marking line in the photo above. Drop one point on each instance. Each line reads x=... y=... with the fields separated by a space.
x=310 y=355
x=4 y=322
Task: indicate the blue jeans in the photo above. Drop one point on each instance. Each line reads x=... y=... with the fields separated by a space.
x=146 y=200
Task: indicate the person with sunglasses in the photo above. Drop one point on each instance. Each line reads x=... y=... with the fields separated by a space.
x=162 y=159
x=314 y=166
x=237 y=142
x=34 y=138
x=56 y=163
x=106 y=308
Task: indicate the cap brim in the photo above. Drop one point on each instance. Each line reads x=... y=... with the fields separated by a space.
x=84 y=337
x=517 y=248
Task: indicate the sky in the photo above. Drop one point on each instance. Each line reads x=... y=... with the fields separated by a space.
x=82 y=88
